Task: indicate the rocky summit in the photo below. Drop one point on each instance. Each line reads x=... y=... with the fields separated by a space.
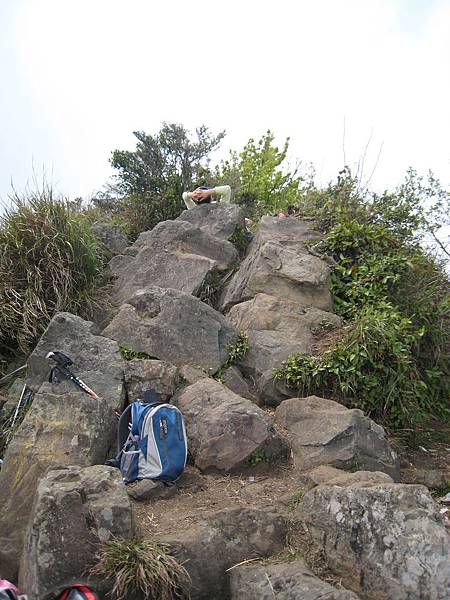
x=284 y=496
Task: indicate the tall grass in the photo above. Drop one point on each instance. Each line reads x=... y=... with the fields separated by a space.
x=48 y=263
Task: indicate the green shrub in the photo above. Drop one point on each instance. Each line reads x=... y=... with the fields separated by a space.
x=143 y=569
x=49 y=263
x=129 y=354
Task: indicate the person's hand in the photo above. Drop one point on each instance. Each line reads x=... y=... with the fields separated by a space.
x=195 y=196
x=203 y=194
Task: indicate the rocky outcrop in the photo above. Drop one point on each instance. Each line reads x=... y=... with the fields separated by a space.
x=325 y=432
x=279 y=264
x=175 y=254
x=75 y=509
x=70 y=429
x=174 y=326
x=223 y=540
x=385 y=541
x=287 y=581
x=225 y=430
x=271 y=313
x=96 y=359
x=218 y=220
x=145 y=374
x=110 y=237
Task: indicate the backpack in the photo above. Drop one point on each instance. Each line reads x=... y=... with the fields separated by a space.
x=77 y=592
x=151 y=440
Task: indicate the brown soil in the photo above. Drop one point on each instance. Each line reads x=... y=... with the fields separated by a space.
x=197 y=495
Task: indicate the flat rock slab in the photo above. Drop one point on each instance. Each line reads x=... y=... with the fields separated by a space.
x=73 y=429
x=325 y=432
x=384 y=541
x=279 y=264
x=223 y=540
x=175 y=254
x=325 y=474
x=225 y=430
x=96 y=359
x=218 y=220
x=173 y=326
x=74 y=510
x=145 y=374
x=284 y=581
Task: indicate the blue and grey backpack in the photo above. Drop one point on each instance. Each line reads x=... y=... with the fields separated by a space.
x=151 y=439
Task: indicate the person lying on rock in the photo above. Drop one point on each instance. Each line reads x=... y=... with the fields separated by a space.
x=206 y=194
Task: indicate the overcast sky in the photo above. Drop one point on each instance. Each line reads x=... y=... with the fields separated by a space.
x=79 y=76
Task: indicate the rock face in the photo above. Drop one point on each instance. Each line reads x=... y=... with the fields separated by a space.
x=385 y=541
x=141 y=375
x=175 y=254
x=287 y=581
x=279 y=264
x=325 y=432
x=111 y=237
x=271 y=313
x=74 y=510
x=218 y=220
x=232 y=378
x=225 y=430
x=223 y=540
x=173 y=326
x=73 y=429
x=96 y=359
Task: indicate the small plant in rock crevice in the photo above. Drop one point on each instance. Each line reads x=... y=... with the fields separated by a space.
x=236 y=354
x=129 y=354
x=141 y=569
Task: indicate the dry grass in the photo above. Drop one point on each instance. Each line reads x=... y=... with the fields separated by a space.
x=141 y=569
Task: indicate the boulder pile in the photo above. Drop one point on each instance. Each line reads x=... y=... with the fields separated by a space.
x=273 y=479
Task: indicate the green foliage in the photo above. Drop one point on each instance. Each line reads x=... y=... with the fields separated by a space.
x=257 y=457
x=129 y=354
x=140 y=569
x=49 y=262
x=258 y=174
x=237 y=351
x=240 y=239
x=394 y=363
x=151 y=179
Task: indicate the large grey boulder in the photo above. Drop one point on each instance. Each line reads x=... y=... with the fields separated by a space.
x=223 y=540
x=181 y=236
x=69 y=429
x=284 y=581
x=74 y=510
x=233 y=379
x=384 y=541
x=225 y=430
x=279 y=264
x=325 y=432
x=175 y=254
x=173 y=326
x=96 y=359
x=110 y=237
x=271 y=313
x=218 y=220
x=145 y=374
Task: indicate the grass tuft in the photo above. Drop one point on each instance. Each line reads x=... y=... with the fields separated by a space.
x=141 y=569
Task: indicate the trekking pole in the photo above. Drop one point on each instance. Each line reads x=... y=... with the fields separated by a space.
x=16 y=412
x=62 y=367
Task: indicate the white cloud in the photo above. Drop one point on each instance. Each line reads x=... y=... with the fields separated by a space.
x=97 y=70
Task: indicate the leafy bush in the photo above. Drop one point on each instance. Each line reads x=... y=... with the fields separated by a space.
x=394 y=364
x=144 y=570
x=261 y=181
x=49 y=263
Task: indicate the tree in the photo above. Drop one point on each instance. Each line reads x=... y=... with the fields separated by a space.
x=151 y=179
x=169 y=158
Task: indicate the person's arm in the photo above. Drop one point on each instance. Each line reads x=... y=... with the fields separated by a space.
x=188 y=200
x=222 y=193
